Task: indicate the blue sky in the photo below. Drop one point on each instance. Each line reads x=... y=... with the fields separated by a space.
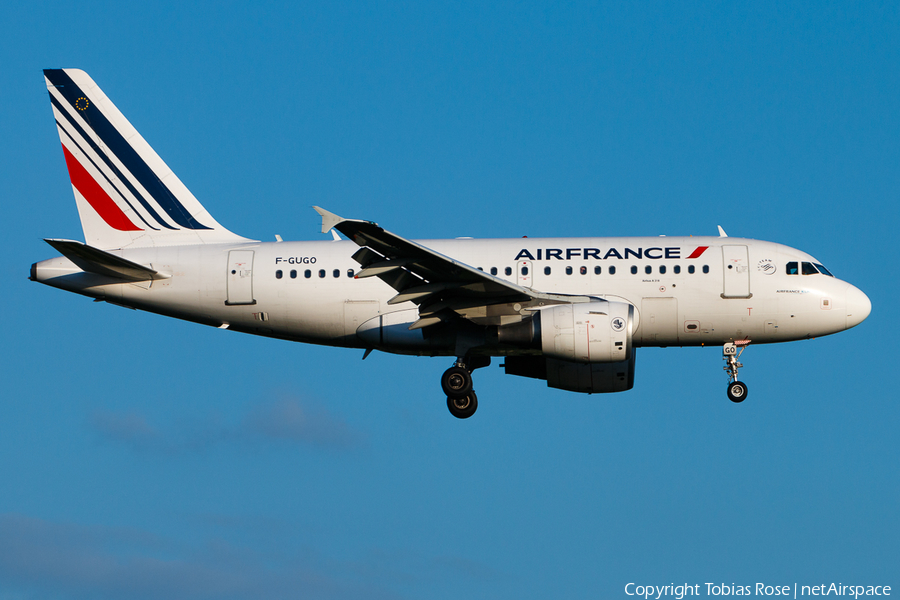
x=147 y=458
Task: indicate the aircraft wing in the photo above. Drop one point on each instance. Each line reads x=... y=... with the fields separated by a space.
x=441 y=286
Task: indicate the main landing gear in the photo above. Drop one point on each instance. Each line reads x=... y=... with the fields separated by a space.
x=457 y=384
x=737 y=391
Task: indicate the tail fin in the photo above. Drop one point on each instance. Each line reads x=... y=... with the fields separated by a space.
x=126 y=195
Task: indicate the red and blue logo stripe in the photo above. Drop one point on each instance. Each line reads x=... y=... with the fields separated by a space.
x=117 y=145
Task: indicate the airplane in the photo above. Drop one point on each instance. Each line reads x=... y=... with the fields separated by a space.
x=570 y=311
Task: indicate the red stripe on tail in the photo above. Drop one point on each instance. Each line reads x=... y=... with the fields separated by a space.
x=96 y=197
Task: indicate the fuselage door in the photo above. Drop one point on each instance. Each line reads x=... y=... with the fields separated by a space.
x=524 y=273
x=240 y=277
x=737 y=272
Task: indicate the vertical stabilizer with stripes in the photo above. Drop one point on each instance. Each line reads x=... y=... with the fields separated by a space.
x=126 y=195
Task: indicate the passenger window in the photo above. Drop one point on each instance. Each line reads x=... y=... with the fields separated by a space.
x=596 y=270
x=808 y=269
x=508 y=270
x=612 y=270
x=524 y=270
x=706 y=268
x=307 y=273
x=691 y=269
x=293 y=274
x=568 y=270
x=583 y=270
x=662 y=269
x=648 y=269
x=792 y=268
x=350 y=273
x=493 y=270
x=634 y=270
x=546 y=270
x=278 y=274
x=823 y=270
x=677 y=269
x=336 y=273
x=321 y=272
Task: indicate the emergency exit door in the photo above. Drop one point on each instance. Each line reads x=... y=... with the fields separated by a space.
x=240 y=277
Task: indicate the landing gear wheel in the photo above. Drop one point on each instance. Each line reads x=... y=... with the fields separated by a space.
x=737 y=391
x=457 y=382
x=463 y=408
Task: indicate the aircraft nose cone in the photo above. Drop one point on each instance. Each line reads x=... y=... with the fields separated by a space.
x=858 y=307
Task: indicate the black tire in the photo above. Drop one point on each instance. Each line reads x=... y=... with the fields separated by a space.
x=457 y=382
x=737 y=392
x=463 y=408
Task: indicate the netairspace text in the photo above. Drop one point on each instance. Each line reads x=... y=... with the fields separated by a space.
x=760 y=589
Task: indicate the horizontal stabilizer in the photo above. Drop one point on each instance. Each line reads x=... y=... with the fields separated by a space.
x=99 y=262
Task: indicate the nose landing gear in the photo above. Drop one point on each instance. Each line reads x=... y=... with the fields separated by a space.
x=737 y=391
x=457 y=385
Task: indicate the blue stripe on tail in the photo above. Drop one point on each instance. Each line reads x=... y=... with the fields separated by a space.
x=124 y=152
x=109 y=164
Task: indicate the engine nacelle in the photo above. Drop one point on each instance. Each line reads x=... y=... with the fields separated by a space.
x=594 y=378
x=587 y=378
x=591 y=332
x=586 y=347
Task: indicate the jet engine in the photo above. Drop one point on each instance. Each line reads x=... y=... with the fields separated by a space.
x=590 y=332
x=586 y=347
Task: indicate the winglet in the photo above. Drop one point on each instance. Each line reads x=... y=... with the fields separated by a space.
x=329 y=219
x=721 y=231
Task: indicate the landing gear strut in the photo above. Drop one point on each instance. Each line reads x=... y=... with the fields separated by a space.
x=737 y=391
x=457 y=384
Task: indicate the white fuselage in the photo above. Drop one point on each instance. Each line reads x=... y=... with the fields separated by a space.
x=307 y=291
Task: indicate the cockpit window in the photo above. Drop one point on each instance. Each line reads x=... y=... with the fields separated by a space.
x=809 y=269
x=823 y=270
x=792 y=269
